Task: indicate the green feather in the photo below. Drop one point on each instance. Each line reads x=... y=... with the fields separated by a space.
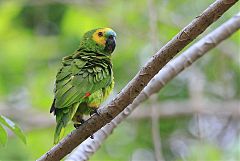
x=63 y=73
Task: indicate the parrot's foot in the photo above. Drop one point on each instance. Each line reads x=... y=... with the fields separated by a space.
x=92 y=136
x=77 y=125
x=94 y=111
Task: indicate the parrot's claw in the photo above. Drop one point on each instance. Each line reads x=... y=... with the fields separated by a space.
x=91 y=137
x=94 y=111
x=82 y=121
x=77 y=125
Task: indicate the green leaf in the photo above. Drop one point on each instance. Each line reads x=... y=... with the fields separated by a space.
x=12 y=126
x=3 y=136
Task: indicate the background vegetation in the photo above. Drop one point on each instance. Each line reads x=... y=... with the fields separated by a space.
x=35 y=35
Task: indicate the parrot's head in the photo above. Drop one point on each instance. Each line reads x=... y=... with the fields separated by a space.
x=101 y=40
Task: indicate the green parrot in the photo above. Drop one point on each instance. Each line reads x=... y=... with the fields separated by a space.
x=85 y=79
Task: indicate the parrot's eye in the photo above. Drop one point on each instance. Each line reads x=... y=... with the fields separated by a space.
x=100 y=34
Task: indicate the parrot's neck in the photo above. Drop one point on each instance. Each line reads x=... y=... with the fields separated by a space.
x=92 y=57
x=83 y=53
x=98 y=59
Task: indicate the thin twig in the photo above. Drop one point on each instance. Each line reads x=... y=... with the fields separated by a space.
x=156 y=139
x=185 y=108
x=195 y=87
x=156 y=131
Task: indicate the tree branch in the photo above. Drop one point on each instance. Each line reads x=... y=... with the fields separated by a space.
x=135 y=86
x=168 y=109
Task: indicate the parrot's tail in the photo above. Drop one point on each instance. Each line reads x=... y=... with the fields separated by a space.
x=59 y=132
x=63 y=116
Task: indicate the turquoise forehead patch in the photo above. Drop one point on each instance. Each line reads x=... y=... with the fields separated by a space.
x=111 y=33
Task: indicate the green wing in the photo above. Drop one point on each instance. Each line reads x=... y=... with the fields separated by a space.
x=76 y=78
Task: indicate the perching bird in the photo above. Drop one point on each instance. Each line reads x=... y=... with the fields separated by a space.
x=84 y=80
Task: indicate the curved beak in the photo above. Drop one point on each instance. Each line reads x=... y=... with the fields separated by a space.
x=110 y=44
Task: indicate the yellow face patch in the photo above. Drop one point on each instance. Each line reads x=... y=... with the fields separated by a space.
x=99 y=36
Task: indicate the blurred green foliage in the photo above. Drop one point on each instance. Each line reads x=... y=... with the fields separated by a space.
x=35 y=35
x=5 y=122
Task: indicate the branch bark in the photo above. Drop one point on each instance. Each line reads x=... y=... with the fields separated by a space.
x=135 y=86
x=169 y=109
